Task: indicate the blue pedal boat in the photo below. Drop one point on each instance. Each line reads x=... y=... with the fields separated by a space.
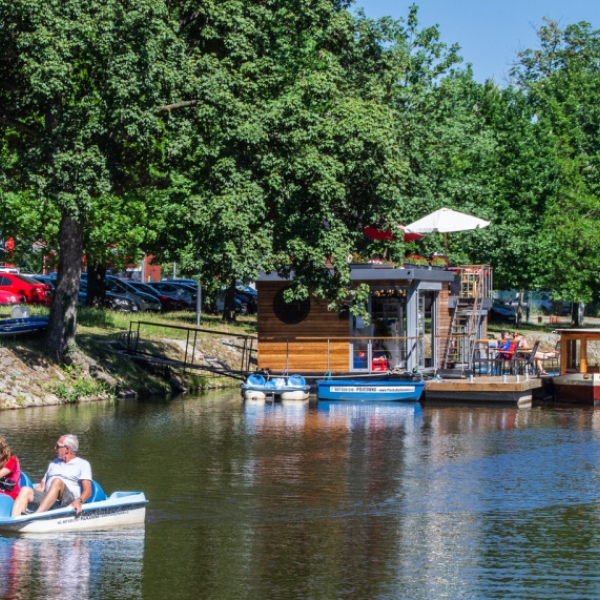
x=99 y=512
x=294 y=387
x=384 y=388
x=23 y=325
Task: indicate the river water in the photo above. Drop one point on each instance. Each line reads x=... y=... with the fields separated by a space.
x=321 y=502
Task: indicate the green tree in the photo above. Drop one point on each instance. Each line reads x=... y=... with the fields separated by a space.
x=294 y=132
x=562 y=81
x=80 y=88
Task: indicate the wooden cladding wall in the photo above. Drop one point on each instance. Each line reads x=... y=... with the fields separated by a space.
x=444 y=321
x=281 y=345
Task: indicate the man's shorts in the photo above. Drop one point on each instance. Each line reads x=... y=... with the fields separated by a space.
x=65 y=500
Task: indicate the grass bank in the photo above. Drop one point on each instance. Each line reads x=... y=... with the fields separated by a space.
x=97 y=367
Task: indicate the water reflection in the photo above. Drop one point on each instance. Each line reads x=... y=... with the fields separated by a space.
x=327 y=501
x=73 y=565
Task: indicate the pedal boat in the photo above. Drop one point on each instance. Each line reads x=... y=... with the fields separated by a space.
x=99 y=512
x=23 y=325
x=294 y=387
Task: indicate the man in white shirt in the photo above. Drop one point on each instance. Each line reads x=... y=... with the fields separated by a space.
x=67 y=482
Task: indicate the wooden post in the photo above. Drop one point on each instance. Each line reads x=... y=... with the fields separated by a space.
x=583 y=366
x=563 y=356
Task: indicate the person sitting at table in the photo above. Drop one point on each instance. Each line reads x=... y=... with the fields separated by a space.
x=539 y=357
x=505 y=344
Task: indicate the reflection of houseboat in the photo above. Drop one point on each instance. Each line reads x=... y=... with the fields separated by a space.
x=420 y=318
x=579 y=377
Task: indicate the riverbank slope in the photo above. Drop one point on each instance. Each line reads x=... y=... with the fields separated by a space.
x=99 y=368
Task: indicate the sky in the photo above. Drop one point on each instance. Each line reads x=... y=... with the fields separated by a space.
x=489 y=32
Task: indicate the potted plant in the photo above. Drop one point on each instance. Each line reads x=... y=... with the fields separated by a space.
x=438 y=263
x=419 y=261
x=359 y=262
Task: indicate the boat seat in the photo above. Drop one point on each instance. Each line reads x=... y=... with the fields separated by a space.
x=6 y=504
x=25 y=481
x=296 y=380
x=255 y=379
x=97 y=493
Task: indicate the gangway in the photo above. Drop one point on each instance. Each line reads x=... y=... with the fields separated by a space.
x=136 y=346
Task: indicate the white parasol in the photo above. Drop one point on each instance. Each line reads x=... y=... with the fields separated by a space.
x=444 y=221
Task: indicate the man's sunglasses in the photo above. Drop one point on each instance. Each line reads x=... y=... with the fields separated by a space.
x=57 y=446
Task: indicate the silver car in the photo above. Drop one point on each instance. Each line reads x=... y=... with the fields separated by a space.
x=144 y=301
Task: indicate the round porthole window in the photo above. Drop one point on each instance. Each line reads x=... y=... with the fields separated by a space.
x=292 y=313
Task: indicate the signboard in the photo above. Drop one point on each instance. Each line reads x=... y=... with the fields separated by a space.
x=384 y=389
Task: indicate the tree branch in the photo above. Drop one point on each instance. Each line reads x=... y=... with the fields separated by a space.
x=170 y=107
x=19 y=126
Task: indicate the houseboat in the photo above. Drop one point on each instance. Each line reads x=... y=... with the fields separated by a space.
x=421 y=320
x=578 y=380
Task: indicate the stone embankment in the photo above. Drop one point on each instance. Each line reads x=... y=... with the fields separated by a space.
x=95 y=371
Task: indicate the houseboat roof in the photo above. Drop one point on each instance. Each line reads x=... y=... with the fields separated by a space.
x=582 y=332
x=372 y=272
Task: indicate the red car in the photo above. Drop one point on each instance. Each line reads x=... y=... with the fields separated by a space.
x=34 y=291
x=11 y=298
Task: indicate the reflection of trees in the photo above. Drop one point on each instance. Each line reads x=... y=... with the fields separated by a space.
x=327 y=482
x=82 y=565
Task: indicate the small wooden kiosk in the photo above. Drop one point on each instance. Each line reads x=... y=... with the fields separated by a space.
x=421 y=318
x=579 y=377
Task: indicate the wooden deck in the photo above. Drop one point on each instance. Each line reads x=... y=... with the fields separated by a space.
x=489 y=389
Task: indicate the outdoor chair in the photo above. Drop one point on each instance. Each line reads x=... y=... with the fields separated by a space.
x=552 y=364
x=525 y=361
x=504 y=362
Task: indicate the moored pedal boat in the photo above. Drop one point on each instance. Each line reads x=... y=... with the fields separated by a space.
x=99 y=512
x=257 y=388
x=387 y=388
x=23 y=325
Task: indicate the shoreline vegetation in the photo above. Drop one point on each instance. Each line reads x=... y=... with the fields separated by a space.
x=96 y=370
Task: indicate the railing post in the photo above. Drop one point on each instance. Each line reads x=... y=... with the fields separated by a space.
x=129 y=336
x=187 y=343
x=137 y=339
x=243 y=354
x=328 y=368
x=287 y=355
x=194 y=346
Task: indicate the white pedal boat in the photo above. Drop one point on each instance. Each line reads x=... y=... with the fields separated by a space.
x=293 y=387
x=99 y=512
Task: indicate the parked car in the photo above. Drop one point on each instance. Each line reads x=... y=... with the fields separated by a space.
x=551 y=306
x=111 y=301
x=246 y=299
x=169 y=303
x=176 y=290
x=34 y=291
x=144 y=301
x=501 y=312
x=11 y=298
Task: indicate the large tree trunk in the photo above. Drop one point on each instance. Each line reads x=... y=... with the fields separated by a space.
x=519 y=319
x=229 y=310
x=60 y=335
x=96 y=284
x=577 y=309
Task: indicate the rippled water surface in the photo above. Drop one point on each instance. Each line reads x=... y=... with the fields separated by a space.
x=319 y=502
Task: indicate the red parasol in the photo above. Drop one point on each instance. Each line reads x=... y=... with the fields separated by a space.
x=387 y=234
